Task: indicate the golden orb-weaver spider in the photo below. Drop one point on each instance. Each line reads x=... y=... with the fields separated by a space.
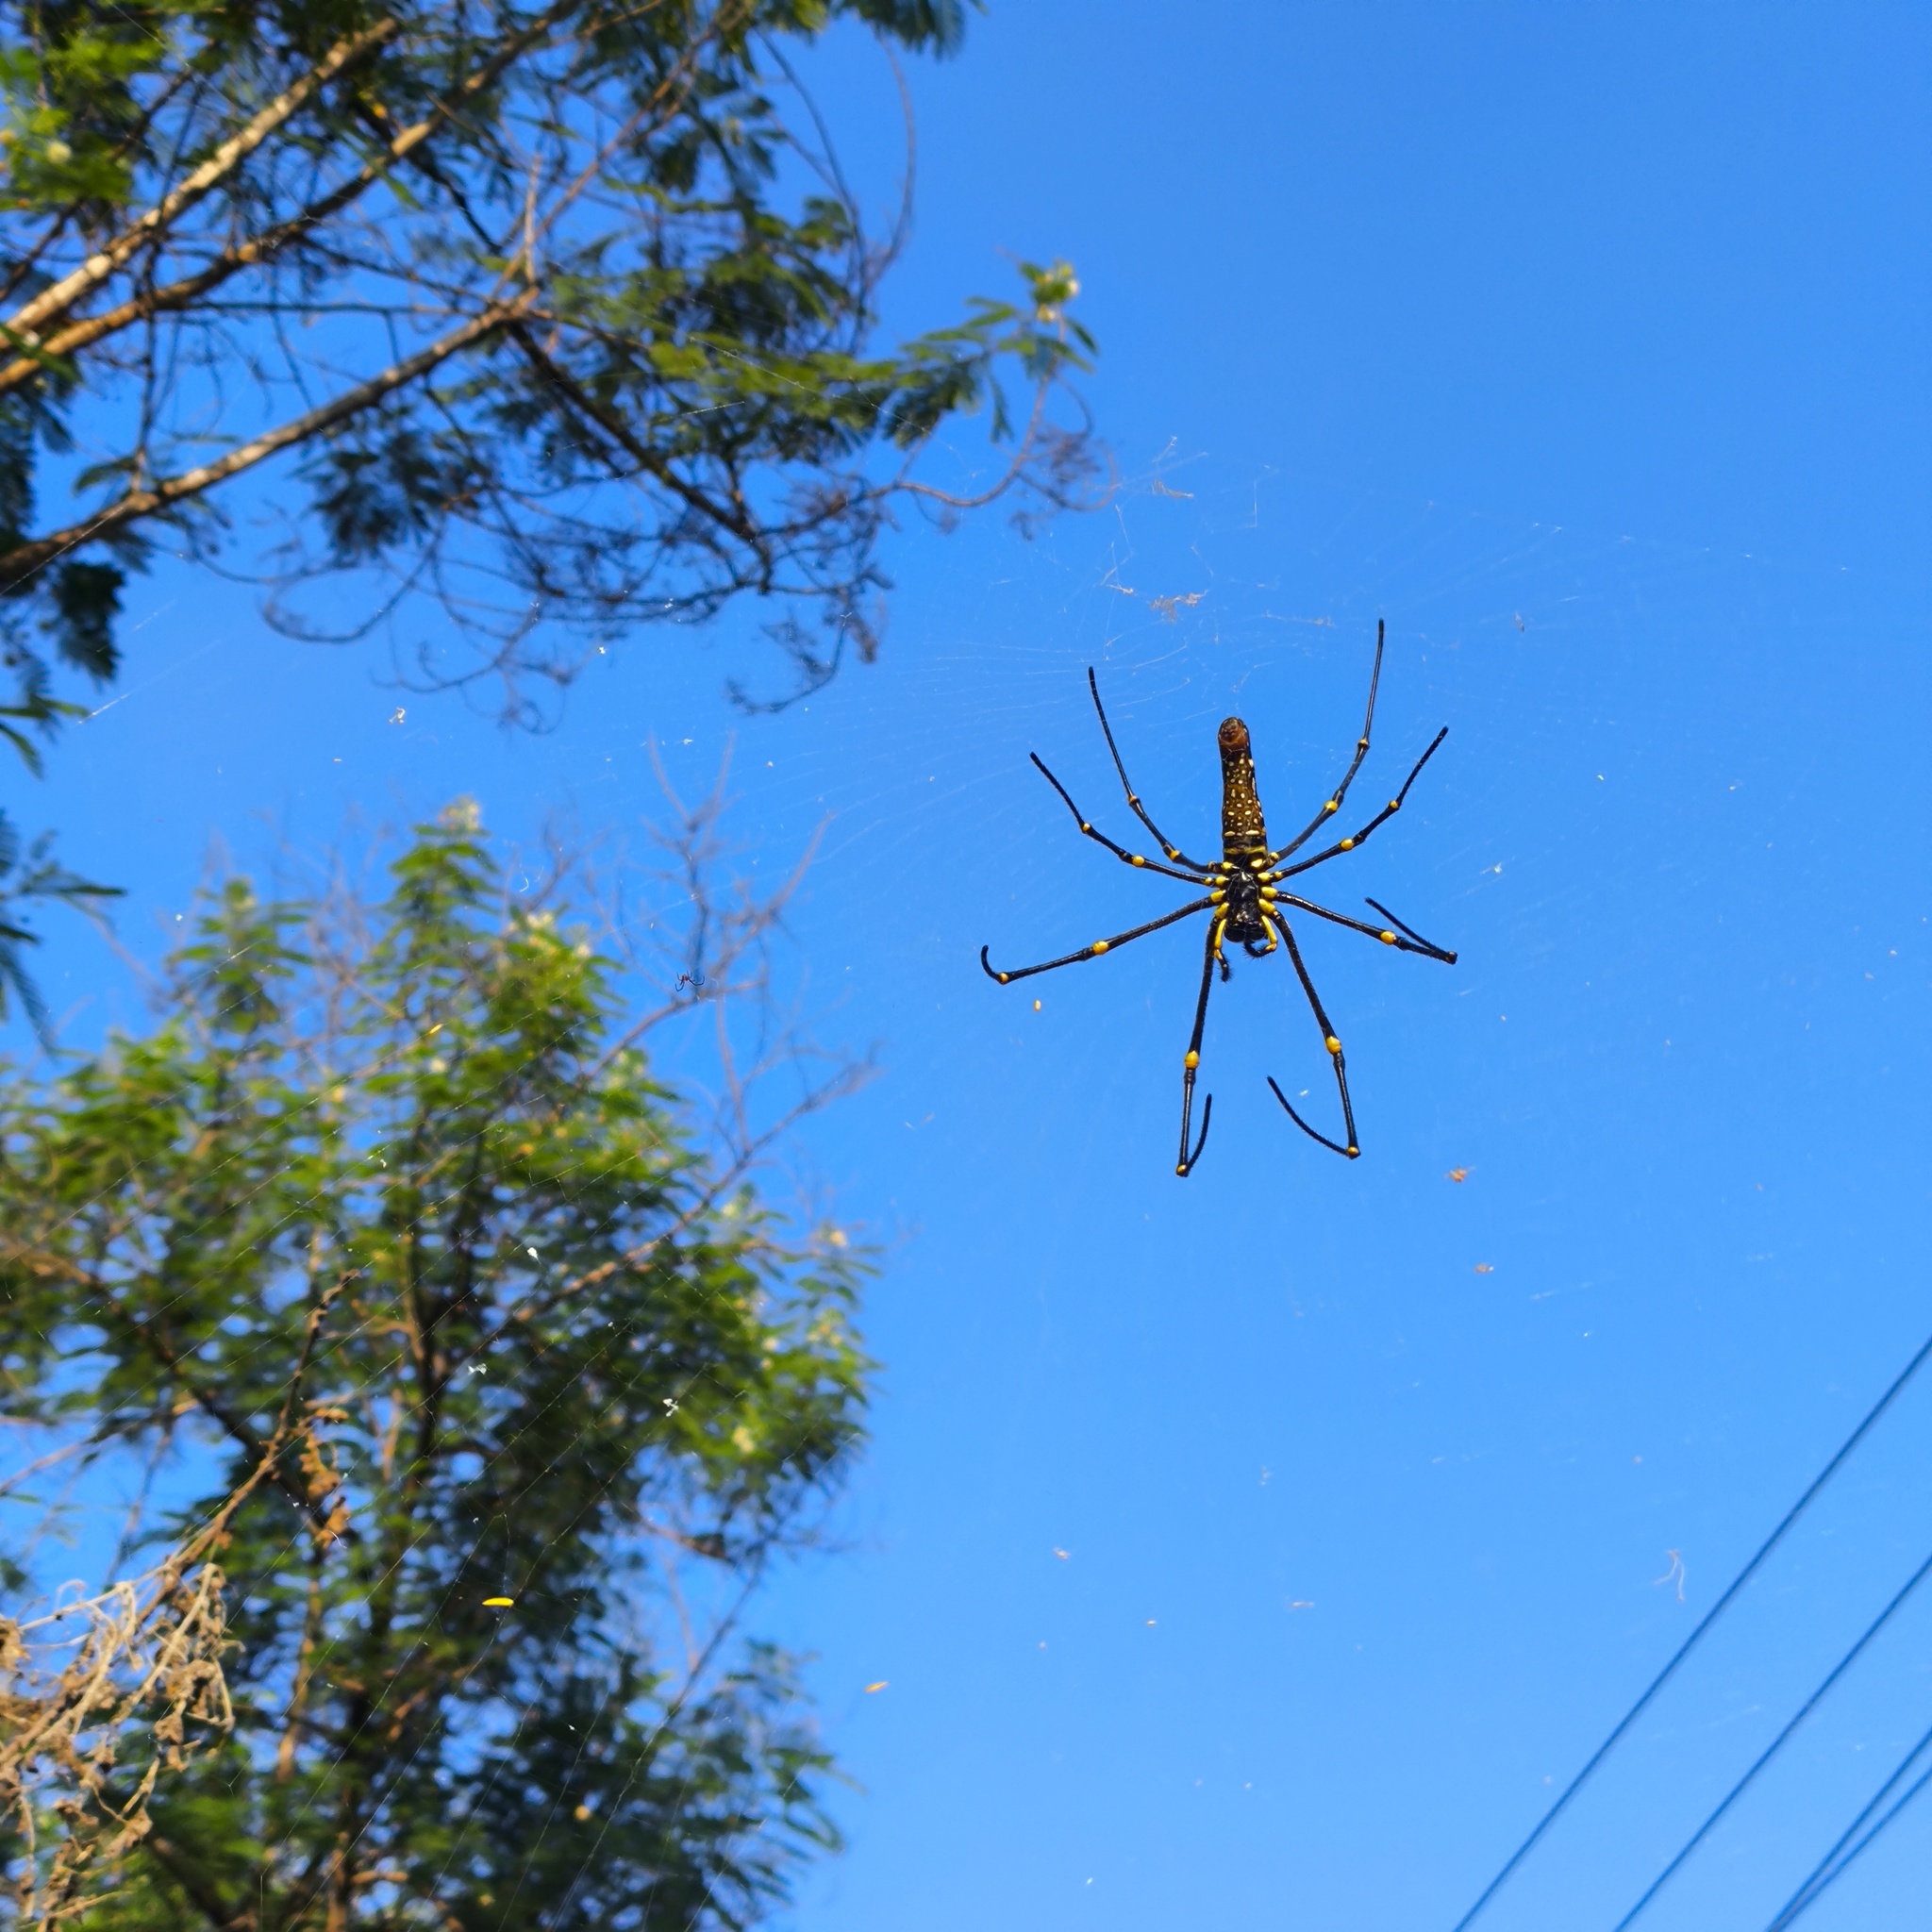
x=1246 y=901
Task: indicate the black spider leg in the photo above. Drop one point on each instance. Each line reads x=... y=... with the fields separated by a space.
x=1382 y=817
x=1120 y=852
x=1172 y=850
x=1413 y=943
x=1427 y=945
x=1352 y=1151
x=1092 y=952
x=1361 y=751
x=1193 y=1061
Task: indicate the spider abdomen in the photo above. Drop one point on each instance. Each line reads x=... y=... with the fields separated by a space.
x=1244 y=835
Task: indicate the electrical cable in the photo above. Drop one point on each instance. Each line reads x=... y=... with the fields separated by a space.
x=1825 y=1872
x=1778 y=1744
x=1691 y=1642
x=1837 y=1871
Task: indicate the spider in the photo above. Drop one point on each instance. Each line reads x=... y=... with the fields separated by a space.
x=1245 y=901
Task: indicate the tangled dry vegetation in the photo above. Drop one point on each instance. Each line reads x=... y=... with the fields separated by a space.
x=97 y=1698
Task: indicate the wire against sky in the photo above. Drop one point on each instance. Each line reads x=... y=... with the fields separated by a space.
x=1826 y=1872
x=1778 y=1744
x=1691 y=1642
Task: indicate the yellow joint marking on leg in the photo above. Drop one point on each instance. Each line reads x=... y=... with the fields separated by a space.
x=1215 y=897
x=1395 y=805
x=1100 y=945
x=1346 y=845
x=1192 y=1060
x=1267 y=894
x=1085 y=827
x=1362 y=744
x=1333 y=805
x=1182 y=1172
x=1004 y=978
x=1388 y=939
x=1333 y=1044
x=1137 y=859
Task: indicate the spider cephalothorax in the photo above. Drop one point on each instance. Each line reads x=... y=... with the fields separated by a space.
x=1240 y=895
x=1245 y=901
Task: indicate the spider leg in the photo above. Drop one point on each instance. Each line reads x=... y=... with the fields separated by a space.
x=1352 y=1151
x=1172 y=850
x=1120 y=852
x=1092 y=952
x=1349 y=843
x=1410 y=930
x=1413 y=943
x=1193 y=1061
x=1361 y=751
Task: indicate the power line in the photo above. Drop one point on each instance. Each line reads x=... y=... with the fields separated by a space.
x=1691 y=1642
x=1837 y=1871
x=1778 y=1744
x=1825 y=1872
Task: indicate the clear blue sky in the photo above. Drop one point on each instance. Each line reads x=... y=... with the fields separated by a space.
x=1589 y=346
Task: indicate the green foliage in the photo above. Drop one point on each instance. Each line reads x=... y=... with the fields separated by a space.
x=561 y=313
x=38 y=875
x=555 y=1357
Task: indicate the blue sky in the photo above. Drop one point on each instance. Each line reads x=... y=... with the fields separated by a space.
x=1589 y=347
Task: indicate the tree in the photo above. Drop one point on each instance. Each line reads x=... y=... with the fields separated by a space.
x=36 y=874
x=555 y=312
x=390 y=1217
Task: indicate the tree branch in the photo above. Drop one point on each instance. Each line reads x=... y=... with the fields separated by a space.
x=267 y=245
x=61 y=295
x=19 y=563
x=614 y=426
x=266 y=1454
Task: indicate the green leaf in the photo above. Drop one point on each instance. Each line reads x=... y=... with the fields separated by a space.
x=694 y=411
x=558 y=1357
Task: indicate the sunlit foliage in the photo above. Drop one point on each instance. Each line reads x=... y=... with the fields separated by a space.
x=557 y=315
x=386 y=1218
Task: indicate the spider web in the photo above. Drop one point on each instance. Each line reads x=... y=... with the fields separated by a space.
x=1298 y=1523
x=1667 y=1070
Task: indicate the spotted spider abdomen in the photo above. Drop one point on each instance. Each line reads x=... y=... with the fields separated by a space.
x=1243 y=835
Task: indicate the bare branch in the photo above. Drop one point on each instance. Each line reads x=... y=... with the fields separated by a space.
x=646 y=459
x=19 y=564
x=265 y=247
x=60 y=296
